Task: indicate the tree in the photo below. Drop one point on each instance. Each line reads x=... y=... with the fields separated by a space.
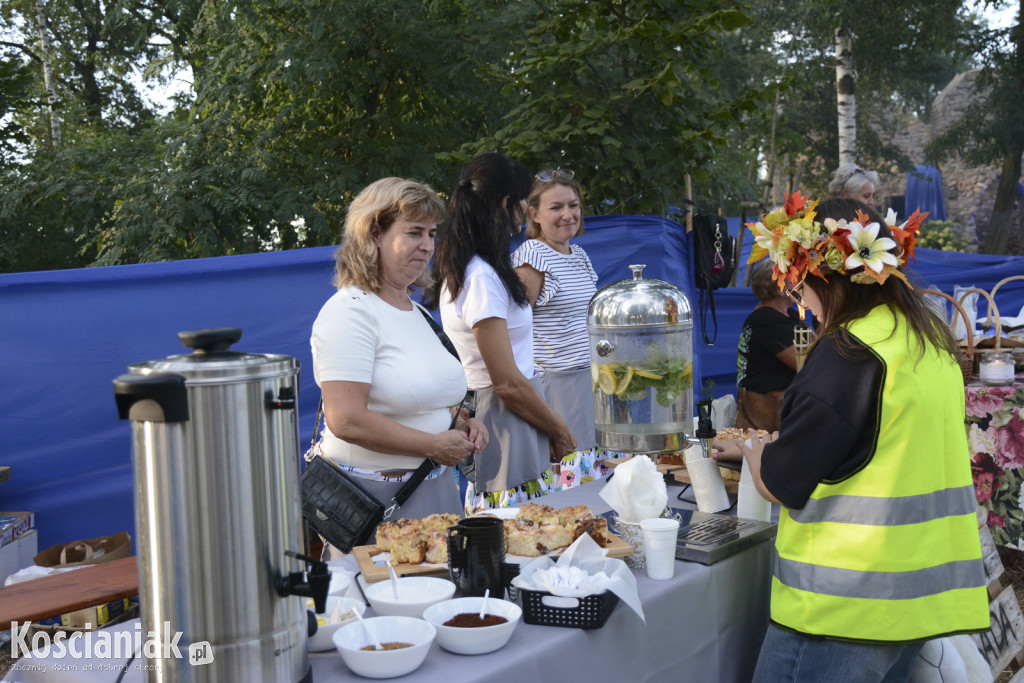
x=991 y=130
x=622 y=92
x=299 y=105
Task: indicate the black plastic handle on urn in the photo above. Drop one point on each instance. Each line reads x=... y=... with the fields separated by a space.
x=215 y=340
x=158 y=397
x=316 y=584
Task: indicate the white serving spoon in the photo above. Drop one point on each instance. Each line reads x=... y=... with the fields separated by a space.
x=483 y=604
x=394 y=579
x=369 y=634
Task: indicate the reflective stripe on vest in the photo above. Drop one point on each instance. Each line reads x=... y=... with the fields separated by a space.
x=886 y=511
x=848 y=583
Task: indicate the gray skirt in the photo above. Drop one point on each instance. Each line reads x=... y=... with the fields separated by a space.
x=570 y=393
x=517 y=451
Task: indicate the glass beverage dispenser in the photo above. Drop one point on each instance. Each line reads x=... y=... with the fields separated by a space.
x=641 y=352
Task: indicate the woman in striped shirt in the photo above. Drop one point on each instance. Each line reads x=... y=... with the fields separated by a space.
x=559 y=281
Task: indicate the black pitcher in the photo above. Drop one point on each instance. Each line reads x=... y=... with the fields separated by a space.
x=476 y=549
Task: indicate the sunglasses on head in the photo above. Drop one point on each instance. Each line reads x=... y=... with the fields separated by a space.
x=549 y=175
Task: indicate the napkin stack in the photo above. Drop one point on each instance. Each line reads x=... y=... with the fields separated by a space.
x=637 y=491
x=580 y=571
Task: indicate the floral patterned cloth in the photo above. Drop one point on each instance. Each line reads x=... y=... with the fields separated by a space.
x=995 y=437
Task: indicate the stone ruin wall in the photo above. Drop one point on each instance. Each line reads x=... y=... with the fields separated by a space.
x=969 y=191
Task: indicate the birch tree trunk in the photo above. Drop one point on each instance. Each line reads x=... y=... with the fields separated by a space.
x=51 y=93
x=846 y=103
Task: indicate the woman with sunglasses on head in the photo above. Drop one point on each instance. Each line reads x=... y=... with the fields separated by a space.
x=877 y=548
x=487 y=315
x=559 y=281
x=856 y=183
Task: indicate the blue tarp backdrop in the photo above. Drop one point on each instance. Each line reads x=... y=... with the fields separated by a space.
x=67 y=334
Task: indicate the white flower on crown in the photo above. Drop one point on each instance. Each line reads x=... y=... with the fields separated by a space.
x=869 y=250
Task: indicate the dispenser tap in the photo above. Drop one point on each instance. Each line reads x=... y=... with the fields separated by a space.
x=705 y=429
x=316 y=584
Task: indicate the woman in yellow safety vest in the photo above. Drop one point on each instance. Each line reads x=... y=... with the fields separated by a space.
x=877 y=548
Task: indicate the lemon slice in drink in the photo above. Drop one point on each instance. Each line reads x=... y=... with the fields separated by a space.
x=594 y=373
x=648 y=374
x=605 y=380
x=623 y=384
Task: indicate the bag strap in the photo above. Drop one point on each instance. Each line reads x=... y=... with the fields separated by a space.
x=703 y=306
x=403 y=494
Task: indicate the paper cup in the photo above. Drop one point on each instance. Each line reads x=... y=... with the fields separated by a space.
x=708 y=487
x=749 y=503
x=632 y=534
x=660 y=537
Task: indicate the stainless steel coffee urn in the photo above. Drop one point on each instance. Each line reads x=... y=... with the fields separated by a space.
x=218 y=517
x=641 y=351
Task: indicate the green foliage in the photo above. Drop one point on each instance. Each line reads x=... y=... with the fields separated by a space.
x=941 y=235
x=624 y=93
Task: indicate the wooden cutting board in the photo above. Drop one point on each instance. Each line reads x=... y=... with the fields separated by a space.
x=683 y=477
x=663 y=467
x=373 y=573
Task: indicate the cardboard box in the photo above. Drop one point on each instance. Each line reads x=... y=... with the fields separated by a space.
x=17 y=555
x=14 y=525
x=96 y=616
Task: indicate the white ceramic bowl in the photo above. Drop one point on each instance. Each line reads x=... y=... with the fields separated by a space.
x=322 y=640
x=351 y=638
x=340 y=581
x=415 y=594
x=473 y=640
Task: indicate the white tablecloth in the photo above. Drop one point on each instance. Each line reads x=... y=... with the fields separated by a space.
x=705 y=624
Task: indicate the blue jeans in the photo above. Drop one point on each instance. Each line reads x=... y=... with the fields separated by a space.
x=787 y=656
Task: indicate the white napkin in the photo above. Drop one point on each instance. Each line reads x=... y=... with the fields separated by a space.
x=580 y=571
x=637 y=491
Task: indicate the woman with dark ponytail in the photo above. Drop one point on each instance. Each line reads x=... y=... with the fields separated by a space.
x=487 y=316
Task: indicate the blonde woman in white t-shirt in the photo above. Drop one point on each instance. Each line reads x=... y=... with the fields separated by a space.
x=487 y=315
x=388 y=384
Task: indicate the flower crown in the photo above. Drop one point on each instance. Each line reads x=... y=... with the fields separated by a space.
x=798 y=245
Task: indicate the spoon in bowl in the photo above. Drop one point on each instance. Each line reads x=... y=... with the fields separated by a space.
x=369 y=634
x=483 y=604
x=394 y=579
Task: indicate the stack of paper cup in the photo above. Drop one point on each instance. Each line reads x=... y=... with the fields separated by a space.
x=749 y=503
x=631 y=533
x=660 y=537
x=706 y=479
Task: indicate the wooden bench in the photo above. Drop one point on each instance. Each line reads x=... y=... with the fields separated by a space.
x=65 y=592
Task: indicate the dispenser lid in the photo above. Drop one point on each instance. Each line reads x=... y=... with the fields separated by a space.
x=212 y=361
x=640 y=302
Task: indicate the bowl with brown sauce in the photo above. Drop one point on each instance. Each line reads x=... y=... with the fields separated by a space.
x=460 y=629
x=405 y=640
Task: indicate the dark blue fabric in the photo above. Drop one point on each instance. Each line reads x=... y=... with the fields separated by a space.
x=67 y=334
x=924 y=191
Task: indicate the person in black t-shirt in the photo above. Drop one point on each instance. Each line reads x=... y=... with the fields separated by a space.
x=766 y=362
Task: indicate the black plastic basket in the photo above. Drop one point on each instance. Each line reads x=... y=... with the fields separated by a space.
x=590 y=612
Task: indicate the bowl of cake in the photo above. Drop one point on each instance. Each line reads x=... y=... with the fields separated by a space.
x=461 y=630
x=405 y=643
x=415 y=594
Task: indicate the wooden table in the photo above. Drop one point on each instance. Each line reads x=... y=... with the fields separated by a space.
x=65 y=592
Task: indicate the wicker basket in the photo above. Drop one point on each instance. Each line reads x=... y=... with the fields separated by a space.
x=966 y=359
x=992 y=310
